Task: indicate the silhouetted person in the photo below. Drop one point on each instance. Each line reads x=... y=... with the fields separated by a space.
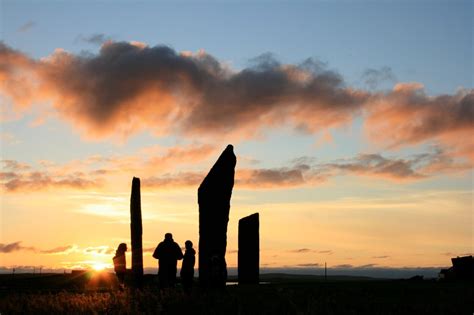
x=120 y=263
x=168 y=253
x=187 y=268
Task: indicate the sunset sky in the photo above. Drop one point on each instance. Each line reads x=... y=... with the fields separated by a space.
x=352 y=122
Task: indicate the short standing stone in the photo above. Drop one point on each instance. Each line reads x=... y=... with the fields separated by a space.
x=249 y=250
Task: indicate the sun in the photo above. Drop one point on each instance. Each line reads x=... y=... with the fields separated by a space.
x=98 y=266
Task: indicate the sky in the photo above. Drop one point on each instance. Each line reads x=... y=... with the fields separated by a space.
x=352 y=123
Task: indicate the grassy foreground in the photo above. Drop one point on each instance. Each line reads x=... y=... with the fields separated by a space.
x=277 y=297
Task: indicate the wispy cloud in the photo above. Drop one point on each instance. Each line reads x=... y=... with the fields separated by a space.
x=103 y=250
x=60 y=250
x=14 y=247
x=9 y=138
x=308 y=250
x=373 y=77
x=98 y=250
x=96 y=39
x=300 y=250
x=94 y=172
x=26 y=27
x=296 y=174
x=33 y=181
x=309 y=265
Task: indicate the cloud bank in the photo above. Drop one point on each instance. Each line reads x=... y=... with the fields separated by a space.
x=169 y=168
x=129 y=87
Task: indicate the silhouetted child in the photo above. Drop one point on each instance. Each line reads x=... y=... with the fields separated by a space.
x=187 y=268
x=120 y=263
x=168 y=253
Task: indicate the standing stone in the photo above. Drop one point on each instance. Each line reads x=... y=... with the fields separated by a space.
x=249 y=250
x=214 y=205
x=136 y=233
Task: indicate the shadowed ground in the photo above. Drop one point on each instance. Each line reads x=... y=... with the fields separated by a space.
x=282 y=295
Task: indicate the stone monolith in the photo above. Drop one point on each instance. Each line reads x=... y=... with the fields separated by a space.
x=136 y=234
x=249 y=250
x=214 y=195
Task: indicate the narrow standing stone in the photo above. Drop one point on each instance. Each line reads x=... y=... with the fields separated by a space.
x=136 y=234
x=214 y=196
x=249 y=250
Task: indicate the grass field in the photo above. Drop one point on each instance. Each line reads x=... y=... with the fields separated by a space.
x=98 y=294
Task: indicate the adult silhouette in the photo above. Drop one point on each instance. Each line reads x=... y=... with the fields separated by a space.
x=187 y=268
x=120 y=263
x=168 y=253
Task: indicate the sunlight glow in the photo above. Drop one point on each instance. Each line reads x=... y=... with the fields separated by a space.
x=99 y=266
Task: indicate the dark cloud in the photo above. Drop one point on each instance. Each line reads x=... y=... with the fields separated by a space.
x=329 y=252
x=415 y=167
x=14 y=247
x=379 y=166
x=181 y=179
x=367 y=266
x=96 y=39
x=31 y=181
x=58 y=250
x=276 y=177
x=309 y=265
x=130 y=87
x=373 y=77
x=343 y=266
x=301 y=250
x=381 y=257
x=349 y=266
x=26 y=27
x=83 y=175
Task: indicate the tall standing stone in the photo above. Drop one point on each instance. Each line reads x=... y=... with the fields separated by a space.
x=214 y=195
x=136 y=234
x=249 y=250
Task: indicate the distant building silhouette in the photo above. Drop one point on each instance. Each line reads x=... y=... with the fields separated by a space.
x=249 y=250
x=214 y=196
x=462 y=269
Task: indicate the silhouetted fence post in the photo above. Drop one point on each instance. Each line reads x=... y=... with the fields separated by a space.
x=214 y=196
x=249 y=250
x=136 y=234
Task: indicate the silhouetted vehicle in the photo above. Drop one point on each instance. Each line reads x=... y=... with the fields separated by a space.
x=168 y=253
x=187 y=268
x=120 y=263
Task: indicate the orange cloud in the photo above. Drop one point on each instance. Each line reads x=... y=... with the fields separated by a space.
x=305 y=172
x=129 y=87
x=407 y=116
x=32 y=181
x=94 y=172
x=14 y=247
